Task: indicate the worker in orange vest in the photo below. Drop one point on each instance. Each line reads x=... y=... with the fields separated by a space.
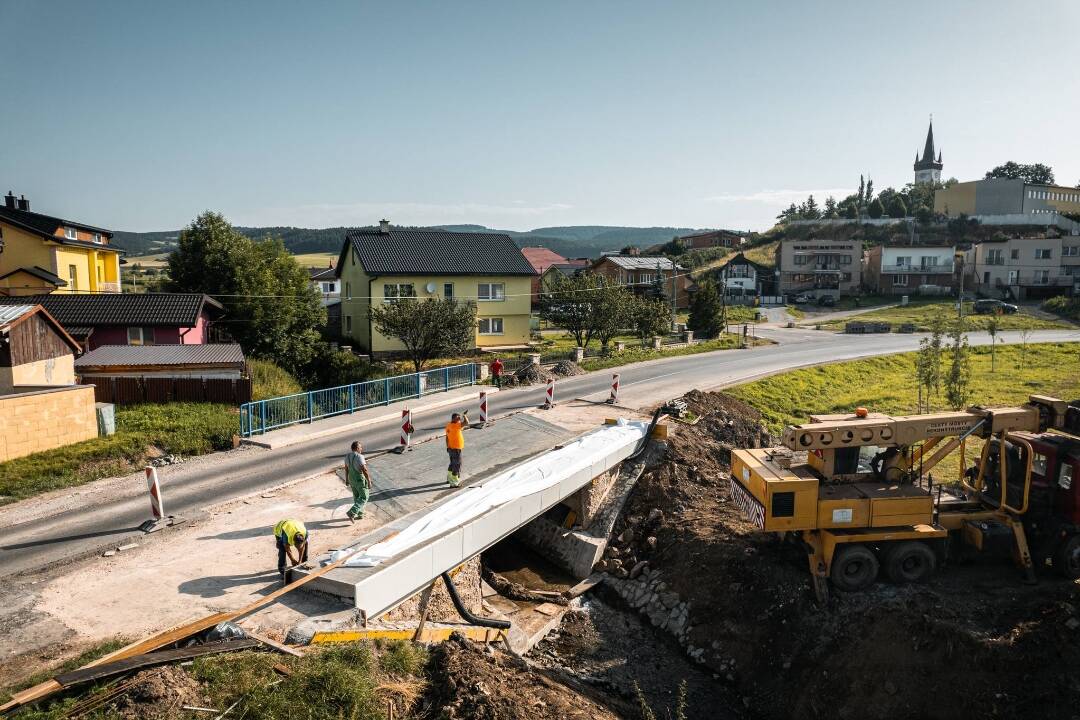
x=455 y=443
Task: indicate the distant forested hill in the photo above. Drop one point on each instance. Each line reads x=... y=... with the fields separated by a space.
x=569 y=241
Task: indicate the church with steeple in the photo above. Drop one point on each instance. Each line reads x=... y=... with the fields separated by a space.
x=927 y=169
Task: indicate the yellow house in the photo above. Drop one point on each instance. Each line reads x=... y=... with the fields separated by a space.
x=383 y=264
x=43 y=254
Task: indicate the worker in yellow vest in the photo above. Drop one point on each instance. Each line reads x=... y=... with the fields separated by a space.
x=291 y=535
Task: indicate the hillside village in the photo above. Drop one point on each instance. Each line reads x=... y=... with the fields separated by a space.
x=343 y=438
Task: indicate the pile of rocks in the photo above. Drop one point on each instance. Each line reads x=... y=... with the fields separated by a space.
x=650 y=595
x=567 y=368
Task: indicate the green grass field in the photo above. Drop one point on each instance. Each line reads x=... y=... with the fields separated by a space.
x=921 y=312
x=887 y=383
x=316 y=259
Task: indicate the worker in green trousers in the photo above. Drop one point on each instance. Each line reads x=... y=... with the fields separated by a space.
x=358 y=478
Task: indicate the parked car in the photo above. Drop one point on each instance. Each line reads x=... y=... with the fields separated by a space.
x=989 y=306
x=827 y=301
x=802 y=299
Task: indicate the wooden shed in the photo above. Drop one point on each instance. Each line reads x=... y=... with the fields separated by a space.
x=35 y=351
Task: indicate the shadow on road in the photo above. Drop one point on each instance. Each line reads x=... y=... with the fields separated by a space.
x=68 y=538
x=268 y=530
x=213 y=586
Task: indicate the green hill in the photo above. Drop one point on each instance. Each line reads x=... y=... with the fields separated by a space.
x=569 y=241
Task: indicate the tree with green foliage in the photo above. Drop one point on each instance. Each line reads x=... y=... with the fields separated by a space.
x=428 y=328
x=272 y=310
x=993 y=327
x=706 y=311
x=658 y=288
x=924 y=214
x=1036 y=173
x=565 y=304
x=809 y=209
x=611 y=312
x=652 y=317
x=958 y=378
x=928 y=360
x=850 y=211
x=897 y=208
x=876 y=209
x=830 y=212
x=630 y=250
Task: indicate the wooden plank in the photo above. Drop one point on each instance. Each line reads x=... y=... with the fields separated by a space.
x=274 y=644
x=167 y=637
x=137 y=662
x=584 y=586
x=425 y=605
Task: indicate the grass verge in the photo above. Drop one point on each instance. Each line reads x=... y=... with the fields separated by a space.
x=637 y=354
x=86 y=656
x=920 y=314
x=887 y=384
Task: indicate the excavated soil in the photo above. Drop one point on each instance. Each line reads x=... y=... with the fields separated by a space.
x=159 y=693
x=974 y=641
x=471 y=683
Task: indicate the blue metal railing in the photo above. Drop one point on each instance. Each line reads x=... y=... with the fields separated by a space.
x=262 y=415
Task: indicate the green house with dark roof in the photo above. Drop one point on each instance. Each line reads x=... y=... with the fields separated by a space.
x=383 y=264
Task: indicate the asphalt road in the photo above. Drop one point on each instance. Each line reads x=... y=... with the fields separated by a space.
x=43 y=542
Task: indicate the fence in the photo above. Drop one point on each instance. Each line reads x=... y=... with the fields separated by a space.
x=132 y=390
x=262 y=415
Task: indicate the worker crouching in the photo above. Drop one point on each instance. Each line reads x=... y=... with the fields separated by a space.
x=292 y=541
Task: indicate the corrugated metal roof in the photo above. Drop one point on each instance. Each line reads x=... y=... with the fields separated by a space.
x=637 y=262
x=438 y=252
x=11 y=313
x=93 y=310
x=214 y=354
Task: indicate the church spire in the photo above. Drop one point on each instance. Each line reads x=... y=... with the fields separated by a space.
x=927 y=169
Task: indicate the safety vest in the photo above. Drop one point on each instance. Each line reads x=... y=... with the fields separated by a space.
x=455 y=440
x=289 y=529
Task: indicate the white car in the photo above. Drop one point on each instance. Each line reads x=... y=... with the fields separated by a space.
x=802 y=299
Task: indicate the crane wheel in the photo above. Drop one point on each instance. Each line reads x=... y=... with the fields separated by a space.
x=1067 y=558
x=910 y=562
x=854 y=567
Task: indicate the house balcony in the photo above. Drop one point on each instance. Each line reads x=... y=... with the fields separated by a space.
x=108 y=287
x=939 y=269
x=1032 y=280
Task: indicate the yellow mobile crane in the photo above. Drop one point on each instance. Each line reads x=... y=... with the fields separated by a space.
x=864 y=498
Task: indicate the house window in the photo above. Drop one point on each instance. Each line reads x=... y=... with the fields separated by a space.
x=392 y=292
x=995 y=257
x=1042 y=277
x=845 y=259
x=71 y=233
x=348 y=291
x=1042 y=253
x=348 y=323
x=328 y=287
x=1065 y=476
x=99 y=274
x=448 y=291
x=73 y=277
x=491 y=326
x=1014 y=254
x=928 y=261
x=140 y=336
x=491 y=292
x=903 y=261
x=1071 y=251
x=97 y=238
x=900 y=280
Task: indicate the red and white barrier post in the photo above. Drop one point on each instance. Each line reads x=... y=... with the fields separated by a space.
x=406 y=430
x=157 y=505
x=614 y=398
x=549 y=396
x=483 y=408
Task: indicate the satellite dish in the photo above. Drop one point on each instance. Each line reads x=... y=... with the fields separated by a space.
x=431 y=287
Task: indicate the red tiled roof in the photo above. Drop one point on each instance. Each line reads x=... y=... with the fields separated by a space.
x=541 y=258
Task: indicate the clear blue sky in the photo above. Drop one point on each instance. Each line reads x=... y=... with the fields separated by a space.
x=139 y=115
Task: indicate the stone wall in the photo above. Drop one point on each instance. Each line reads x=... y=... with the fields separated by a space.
x=467 y=582
x=46 y=419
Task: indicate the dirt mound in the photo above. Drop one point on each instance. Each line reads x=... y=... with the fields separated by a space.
x=974 y=640
x=528 y=375
x=467 y=682
x=160 y=693
x=567 y=368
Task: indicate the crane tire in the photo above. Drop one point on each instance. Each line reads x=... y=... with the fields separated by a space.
x=910 y=562
x=854 y=567
x=1067 y=558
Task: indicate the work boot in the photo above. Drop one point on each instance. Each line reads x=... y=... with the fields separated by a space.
x=449 y=478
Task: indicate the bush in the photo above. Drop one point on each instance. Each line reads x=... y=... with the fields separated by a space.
x=1064 y=306
x=268 y=380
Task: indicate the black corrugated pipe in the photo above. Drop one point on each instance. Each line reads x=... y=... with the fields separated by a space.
x=648 y=434
x=464 y=611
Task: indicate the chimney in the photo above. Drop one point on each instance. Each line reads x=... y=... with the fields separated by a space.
x=24 y=204
x=384 y=226
x=9 y=200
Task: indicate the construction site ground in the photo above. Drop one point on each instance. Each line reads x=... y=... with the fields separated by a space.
x=224 y=557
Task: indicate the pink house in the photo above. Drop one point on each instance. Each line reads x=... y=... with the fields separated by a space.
x=131 y=318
